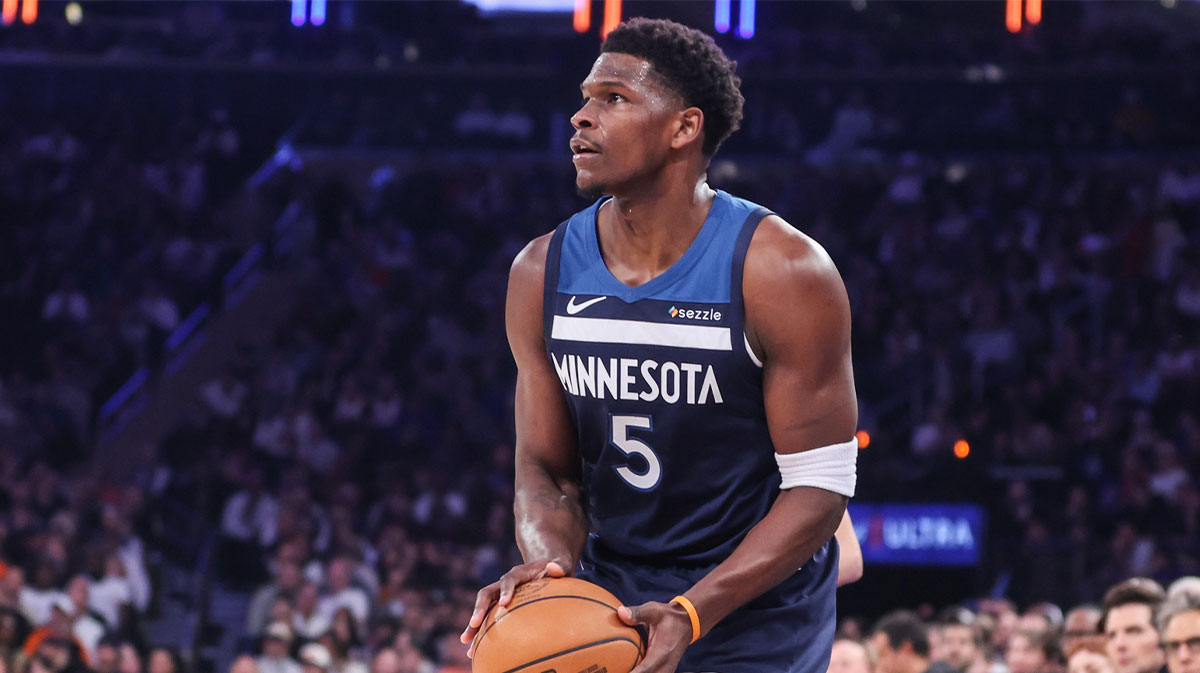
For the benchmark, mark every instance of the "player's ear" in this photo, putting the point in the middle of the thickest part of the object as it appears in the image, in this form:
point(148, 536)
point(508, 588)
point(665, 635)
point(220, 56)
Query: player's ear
point(689, 128)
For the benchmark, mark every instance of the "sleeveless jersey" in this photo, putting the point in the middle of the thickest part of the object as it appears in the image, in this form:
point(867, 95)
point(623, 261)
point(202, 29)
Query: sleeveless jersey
point(677, 463)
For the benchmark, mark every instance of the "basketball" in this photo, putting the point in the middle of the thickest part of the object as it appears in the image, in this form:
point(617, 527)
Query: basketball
point(557, 624)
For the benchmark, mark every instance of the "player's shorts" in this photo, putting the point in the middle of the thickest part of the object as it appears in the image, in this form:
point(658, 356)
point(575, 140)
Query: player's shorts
point(789, 629)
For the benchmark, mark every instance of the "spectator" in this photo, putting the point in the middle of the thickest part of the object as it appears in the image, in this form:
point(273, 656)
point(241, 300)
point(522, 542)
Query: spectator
point(1127, 621)
point(14, 629)
point(1184, 585)
point(225, 396)
point(165, 660)
point(66, 303)
point(108, 653)
point(244, 664)
point(247, 521)
point(1032, 651)
point(58, 631)
point(961, 646)
point(901, 644)
point(1089, 658)
point(129, 660)
point(341, 592)
point(1179, 624)
point(386, 661)
point(849, 656)
point(314, 658)
point(308, 619)
point(277, 640)
point(1080, 627)
point(87, 626)
point(287, 582)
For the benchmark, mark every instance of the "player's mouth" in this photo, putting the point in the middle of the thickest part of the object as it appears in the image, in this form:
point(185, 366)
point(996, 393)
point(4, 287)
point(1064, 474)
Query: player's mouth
point(581, 150)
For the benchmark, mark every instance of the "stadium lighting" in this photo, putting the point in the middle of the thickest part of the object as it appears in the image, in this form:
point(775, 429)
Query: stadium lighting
point(746, 19)
point(1033, 12)
point(612, 17)
point(9, 12)
point(721, 15)
point(74, 13)
point(583, 16)
point(962, 449)
point(299, 12)
point(1012, 16)
point(864, 439)
point(316, 14)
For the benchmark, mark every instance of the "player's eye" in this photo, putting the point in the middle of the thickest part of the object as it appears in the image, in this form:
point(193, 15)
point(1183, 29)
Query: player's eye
point(615, 98)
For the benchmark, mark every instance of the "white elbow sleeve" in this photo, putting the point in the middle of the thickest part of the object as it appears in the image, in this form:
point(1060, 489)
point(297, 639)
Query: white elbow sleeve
point(832, 468)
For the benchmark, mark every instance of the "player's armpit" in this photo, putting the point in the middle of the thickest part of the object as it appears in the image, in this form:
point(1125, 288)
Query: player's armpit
point(551, 523)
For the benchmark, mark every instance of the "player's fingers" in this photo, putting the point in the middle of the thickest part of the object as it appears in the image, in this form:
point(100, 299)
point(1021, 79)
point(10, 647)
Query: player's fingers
point(553, 569)
point(518, 576)
point(631, 615)
point(483, 602)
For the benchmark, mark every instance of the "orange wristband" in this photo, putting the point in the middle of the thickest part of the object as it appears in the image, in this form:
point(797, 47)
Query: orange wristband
point(687, 606)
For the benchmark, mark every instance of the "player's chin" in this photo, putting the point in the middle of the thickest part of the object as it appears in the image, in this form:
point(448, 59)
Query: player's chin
point(587, 185)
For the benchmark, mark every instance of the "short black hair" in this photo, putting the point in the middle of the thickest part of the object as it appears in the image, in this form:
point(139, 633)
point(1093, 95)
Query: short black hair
point(692, 65)
point(1136, 590)
point(904, 626)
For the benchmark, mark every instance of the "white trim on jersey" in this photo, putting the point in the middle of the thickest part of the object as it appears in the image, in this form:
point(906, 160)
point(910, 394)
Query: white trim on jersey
point(753, 357)
point(610, 331)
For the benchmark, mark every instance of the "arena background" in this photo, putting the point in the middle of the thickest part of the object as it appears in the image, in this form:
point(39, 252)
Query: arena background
point(253, 266)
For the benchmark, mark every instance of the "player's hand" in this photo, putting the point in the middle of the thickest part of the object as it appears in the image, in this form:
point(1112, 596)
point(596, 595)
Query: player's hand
point(670, 634)
point(501, 591)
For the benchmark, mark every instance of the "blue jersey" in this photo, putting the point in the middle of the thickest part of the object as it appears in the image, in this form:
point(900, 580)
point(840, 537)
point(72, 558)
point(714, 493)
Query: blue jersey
point(677, 462)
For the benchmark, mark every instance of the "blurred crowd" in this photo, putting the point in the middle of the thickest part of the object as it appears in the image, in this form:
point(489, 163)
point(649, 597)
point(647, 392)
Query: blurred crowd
point(75, 583)
point(108, 241)
point(352, 478)
point(1138, 627)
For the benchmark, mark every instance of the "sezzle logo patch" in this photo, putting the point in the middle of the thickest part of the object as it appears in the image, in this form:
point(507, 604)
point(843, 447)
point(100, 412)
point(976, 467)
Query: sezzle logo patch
point(708, 314)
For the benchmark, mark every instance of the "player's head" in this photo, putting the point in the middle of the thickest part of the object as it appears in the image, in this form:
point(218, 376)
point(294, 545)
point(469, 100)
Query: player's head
point(660, 93)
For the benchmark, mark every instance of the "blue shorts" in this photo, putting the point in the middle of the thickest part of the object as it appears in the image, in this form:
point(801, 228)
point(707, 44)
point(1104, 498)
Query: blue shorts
point(789, 629)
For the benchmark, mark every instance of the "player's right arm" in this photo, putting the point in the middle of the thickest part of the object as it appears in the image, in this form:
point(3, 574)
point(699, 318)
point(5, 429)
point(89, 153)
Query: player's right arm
point(551, 525)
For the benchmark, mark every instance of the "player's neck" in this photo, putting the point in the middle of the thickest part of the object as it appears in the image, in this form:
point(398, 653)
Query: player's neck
point(643, 234)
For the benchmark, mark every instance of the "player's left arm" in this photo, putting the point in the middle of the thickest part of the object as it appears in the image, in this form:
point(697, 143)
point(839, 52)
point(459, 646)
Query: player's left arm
point(798, 322)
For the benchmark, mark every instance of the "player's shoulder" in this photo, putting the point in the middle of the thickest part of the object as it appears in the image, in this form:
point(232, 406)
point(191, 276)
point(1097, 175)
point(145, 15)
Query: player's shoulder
point(781, 253)
point(530, 264)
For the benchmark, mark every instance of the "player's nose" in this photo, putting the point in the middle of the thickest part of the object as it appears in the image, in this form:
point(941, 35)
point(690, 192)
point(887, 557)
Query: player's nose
point(583, 117)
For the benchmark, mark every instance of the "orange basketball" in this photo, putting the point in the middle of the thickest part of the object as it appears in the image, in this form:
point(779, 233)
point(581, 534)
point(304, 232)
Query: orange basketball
point(561, 624)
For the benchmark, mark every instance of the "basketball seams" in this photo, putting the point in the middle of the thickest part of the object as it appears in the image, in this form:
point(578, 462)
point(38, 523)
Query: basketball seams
point(637, 648)
point(545, 598)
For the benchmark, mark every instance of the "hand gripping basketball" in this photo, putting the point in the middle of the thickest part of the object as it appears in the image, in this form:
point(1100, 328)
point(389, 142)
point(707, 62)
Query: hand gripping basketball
point(501, 591)
point(670, 634)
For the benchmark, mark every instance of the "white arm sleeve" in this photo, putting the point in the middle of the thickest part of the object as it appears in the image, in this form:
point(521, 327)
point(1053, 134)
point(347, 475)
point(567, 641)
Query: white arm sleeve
point(832, 468)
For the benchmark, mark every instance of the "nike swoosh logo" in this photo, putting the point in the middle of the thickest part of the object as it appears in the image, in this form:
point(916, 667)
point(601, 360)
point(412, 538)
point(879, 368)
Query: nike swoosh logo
point(573, 308)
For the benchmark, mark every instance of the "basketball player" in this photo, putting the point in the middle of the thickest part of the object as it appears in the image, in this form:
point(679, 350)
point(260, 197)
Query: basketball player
point(685, 405)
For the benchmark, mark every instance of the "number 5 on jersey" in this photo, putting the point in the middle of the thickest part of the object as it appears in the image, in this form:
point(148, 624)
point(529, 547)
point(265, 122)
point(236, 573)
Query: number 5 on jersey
point(648, 479)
